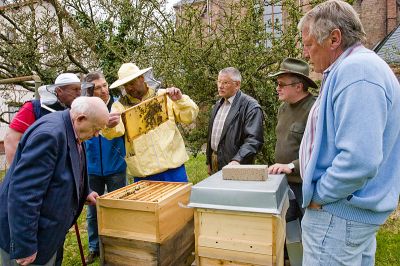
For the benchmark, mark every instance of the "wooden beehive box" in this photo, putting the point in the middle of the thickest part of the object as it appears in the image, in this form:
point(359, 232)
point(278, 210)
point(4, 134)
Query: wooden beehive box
point(176, 250)
point(239, 238)
point(145, 116)
point(240, 222)
point(146, 210)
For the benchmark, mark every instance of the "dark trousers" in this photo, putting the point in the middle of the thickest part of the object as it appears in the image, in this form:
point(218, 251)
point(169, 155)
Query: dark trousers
point(98, 184)
point(295, 210)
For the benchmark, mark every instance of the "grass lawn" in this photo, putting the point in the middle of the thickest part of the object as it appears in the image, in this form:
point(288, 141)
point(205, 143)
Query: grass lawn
point(388, 238)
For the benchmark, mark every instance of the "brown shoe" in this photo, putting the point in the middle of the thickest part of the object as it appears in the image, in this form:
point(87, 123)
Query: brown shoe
point(91, 257)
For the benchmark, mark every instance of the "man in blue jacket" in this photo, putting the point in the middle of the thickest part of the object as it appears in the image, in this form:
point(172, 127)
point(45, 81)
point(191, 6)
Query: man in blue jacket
point(105, 162)
point(350, 152)
point(46, 186)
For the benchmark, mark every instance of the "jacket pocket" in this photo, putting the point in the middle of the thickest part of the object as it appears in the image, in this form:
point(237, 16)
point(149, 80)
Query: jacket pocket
point(297, 130)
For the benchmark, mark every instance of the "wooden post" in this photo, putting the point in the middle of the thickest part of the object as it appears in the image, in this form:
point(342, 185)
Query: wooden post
point(35, 78)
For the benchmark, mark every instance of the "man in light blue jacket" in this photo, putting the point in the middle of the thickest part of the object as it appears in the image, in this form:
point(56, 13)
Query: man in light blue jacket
point(350, 152)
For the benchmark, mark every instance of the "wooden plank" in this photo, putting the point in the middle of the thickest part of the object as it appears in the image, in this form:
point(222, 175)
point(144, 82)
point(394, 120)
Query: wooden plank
point(134, 224)
point(171, 190)
point(144, 191)
point(235, 256)
point(182, 190)
point(185, 189)
point(237, 225)
point(197, 218)
point(279, 231)
point(279, 260)
point(129, 235)
point(157, 192)
point(119, 191)
point(179, 248)
point(172, 217)
point(219, 262)
point(176, 250)
point(121, 251)
point(236, 244)
point(126, 205)
point(151, 189)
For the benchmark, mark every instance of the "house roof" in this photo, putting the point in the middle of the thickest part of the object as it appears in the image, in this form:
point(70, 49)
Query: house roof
point(185, 2)
point(389, 48)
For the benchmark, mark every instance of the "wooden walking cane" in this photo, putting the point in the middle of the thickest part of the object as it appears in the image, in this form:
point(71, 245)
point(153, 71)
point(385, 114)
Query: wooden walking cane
point(78, 237)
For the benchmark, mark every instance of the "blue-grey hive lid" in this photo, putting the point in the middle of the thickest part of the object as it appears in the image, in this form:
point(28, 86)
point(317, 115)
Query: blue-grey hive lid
point(249, 196)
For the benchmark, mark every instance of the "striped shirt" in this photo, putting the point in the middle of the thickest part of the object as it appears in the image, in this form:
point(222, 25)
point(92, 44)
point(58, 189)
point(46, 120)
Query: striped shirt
point(307, 143)
point(219, 122)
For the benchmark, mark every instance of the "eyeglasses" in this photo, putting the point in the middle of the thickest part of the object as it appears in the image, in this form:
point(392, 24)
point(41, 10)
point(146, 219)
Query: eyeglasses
point(282, 85)
point(224, 83)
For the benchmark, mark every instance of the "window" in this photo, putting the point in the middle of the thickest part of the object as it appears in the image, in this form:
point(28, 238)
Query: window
point(273, 18)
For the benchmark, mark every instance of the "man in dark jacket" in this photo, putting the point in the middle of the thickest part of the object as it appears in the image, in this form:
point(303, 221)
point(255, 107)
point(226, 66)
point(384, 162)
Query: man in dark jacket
point(105, 161)
point(235, 131)
point(46, 186)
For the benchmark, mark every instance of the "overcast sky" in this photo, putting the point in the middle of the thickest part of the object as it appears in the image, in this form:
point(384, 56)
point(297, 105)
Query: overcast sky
point(170, 3)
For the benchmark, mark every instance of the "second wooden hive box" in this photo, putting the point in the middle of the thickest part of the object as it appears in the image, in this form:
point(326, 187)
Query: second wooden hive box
point(146, 210)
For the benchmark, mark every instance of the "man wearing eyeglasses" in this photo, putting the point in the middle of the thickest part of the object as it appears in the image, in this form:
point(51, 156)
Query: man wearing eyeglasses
point(235, 131)
point(292, 89)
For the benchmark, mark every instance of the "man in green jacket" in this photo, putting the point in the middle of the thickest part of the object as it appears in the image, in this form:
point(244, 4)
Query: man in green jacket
point(292, 89)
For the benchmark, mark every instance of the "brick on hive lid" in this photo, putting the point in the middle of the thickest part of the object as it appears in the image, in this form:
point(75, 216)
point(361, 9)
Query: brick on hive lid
point(245, 172)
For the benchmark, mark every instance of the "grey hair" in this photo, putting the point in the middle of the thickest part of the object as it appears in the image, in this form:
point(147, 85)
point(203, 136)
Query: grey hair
point(81, 105)
point(90, 77)
point(94, 76)
point(330, 15)
point(232, 72)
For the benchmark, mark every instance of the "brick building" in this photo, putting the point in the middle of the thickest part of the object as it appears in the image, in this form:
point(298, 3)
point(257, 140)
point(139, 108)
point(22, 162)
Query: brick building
point(379, 17)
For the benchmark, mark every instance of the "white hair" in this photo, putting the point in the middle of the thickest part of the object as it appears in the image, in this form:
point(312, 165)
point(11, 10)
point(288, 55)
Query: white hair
point(330, 15)
point(81, 105)
point(232, 72)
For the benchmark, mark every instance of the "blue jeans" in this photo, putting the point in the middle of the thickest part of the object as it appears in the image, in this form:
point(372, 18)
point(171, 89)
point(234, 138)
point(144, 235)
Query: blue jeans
point(330, 240)
point(171, 175)
point(98, 184)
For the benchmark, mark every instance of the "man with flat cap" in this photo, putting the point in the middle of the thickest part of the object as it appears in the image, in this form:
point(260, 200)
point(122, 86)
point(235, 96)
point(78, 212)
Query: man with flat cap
point(292, 89)
point(160, 153)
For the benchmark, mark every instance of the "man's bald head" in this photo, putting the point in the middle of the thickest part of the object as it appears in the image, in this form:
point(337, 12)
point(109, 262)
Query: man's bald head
point(89, 116)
